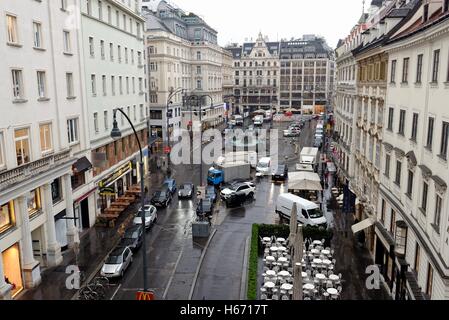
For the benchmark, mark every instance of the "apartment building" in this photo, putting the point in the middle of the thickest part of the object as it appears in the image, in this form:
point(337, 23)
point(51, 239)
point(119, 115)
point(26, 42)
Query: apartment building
point(413, 204)
point(184, 59)
point(114, 78)
point(42, 140)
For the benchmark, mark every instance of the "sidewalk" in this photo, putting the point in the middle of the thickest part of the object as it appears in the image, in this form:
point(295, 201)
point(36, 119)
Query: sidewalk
point(94, 246)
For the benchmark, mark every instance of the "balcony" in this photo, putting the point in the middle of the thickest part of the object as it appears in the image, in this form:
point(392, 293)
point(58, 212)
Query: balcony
point(24, 172)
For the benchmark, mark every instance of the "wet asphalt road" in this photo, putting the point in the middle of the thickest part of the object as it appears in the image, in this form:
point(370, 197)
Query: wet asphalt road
point(172, 254)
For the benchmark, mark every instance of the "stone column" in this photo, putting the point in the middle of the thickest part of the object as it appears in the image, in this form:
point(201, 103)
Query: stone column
point(30, 266)
point(54, 256)
point(72, 231)
point(5, 289)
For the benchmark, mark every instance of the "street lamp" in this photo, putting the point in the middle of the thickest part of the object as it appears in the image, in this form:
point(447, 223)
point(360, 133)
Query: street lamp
point(117, 134)
point(168, 116)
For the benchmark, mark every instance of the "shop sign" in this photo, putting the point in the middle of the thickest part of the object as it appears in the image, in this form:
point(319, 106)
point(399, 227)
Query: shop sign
point(144, 296)
point(117, 174)
point(107, 191)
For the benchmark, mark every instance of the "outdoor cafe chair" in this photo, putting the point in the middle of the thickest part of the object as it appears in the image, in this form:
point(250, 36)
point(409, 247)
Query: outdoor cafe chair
point(275, 297)
point(284, 297)
point(263, 297)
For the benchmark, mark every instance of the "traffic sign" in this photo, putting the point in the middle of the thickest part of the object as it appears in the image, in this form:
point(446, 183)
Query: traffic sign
point(144, 296)
point(167, 150)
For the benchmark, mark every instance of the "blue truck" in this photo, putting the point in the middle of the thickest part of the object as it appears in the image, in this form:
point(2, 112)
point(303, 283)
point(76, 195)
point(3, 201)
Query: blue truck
point(227, 172)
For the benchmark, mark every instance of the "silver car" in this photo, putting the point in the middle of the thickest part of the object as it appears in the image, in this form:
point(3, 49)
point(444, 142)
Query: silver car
point(150, 216)
point(117, 262)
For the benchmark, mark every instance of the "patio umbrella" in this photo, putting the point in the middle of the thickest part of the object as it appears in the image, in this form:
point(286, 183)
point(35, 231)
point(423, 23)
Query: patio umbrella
point(297, 271)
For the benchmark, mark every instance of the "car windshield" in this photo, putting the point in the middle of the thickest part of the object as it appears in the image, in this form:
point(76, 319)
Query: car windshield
point(315, 213)
point(159, 194)
point(131, 235)
point(114, 260)
point(186, 187)
point(263, 164)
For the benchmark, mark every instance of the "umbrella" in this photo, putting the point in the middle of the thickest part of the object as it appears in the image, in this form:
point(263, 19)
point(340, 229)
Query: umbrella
point(303, 180)
point(269, 284)
point(284, 273)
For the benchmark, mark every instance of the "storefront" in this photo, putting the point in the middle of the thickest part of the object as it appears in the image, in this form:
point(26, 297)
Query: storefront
point(115, 185)
point(12, 269)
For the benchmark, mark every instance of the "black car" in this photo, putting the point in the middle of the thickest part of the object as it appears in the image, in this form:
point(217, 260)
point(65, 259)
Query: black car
point(280, 172)
point(186, 191)
point(206, 207)
point(211, 194)
point(161, 198)
point(236, 200)
point(132, 238)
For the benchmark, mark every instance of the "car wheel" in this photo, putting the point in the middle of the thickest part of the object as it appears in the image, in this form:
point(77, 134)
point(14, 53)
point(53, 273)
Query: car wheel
point(122, 273)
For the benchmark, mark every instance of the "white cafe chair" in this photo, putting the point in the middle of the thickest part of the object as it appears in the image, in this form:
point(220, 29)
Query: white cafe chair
point(284, 297)
point(263, 297)
point(275, 297)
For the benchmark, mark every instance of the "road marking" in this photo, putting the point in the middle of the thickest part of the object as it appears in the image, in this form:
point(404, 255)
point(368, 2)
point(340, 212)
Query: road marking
point(115, 292)
point(173, 274)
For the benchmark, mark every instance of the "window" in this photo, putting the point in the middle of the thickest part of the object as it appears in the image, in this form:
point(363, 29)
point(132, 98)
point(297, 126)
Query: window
point(34, 201)
point(117, 18)
point(132, 56)
point(419, 68)
point(198, 55)
point(17, 83)
point(113, 85)
point(2, 148)
point(63, 5)
point(401, 122)
point(446, 5)
point(134, 113)
point(119, 50)
point(111, 51)
point(69, 83)
point(78, 179)
point(387, 165)
point(7, 218)
point(139, 59)
point(436, 65)
point(96, 122)
point(37, 32)
point(405, 70)
point(393, 222)
point(134, 85)
point(397, 180)
point(141, 112)
point(438, 208)
point(124, 22)
point(414, 126)
point(67, 42)
point(106, 120)
point(91, 47)
point(89, 7)
point(382, 212)
point(390, 119)
point(127, 85)
point(140, 85)
point(417, 257)
point(103, 78)
point(429, 283)
point(102, 49)
point(93, 84)
point(46, 138)
point(126, 55)
point(410, 184)
point(430, 133)
point(56, 190)
point(109, 15)
point(425, 16)
point(41, 84)
point(22, 142)
point(120, 83)
point(11, 22)
point(425, 190)
point(198, 69)
point(72, 130)
point(444, 140)
point(393, 71)
point(100, 10)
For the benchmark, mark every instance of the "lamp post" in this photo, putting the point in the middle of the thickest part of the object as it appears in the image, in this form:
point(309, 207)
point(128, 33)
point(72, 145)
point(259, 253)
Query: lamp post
point(169, 102)
point(117, 134)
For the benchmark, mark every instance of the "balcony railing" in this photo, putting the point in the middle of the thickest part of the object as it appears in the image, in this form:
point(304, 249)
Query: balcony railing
point(31, 169)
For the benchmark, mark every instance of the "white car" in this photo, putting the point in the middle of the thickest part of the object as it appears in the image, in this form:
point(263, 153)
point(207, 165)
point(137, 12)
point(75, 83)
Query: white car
point(117, 262)
point(246, 188)
point(263, 167)
point(150, 216)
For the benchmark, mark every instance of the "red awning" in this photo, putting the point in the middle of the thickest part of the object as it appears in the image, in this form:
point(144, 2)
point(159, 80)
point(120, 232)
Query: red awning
point(84, 196)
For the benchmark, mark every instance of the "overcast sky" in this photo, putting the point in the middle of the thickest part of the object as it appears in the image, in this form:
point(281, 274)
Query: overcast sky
point(236, 20)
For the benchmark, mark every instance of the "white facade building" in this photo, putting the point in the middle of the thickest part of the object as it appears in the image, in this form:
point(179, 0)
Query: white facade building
point(114, 78)
point(41, 137)
point(414, 203)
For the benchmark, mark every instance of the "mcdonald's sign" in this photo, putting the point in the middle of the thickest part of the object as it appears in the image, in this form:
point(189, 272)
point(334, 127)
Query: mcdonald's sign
point(142, 295)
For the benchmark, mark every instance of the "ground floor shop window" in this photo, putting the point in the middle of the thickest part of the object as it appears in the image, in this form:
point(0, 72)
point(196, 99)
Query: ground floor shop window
point(7, 216)
point(12, 269)
point(34, 201)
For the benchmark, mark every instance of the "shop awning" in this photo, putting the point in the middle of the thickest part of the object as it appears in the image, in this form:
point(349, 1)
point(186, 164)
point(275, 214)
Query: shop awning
point(81, 165)
point(303, 180)
point(362, 225)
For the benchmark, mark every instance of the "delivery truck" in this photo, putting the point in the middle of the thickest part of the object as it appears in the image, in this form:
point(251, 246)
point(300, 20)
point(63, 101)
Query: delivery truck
point(309, 156)
point(238, 156)
point(228, 171)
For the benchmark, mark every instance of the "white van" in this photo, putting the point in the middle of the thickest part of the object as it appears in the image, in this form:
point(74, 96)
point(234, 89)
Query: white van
point(263, 167)
point(258, 120)
point(308, 212)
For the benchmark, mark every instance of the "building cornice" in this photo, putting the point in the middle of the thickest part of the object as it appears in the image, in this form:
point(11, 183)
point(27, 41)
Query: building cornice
point(126, 9)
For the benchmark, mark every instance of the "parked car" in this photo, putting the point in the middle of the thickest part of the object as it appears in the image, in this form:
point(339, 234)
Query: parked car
point(161, 198)
point(206, 207)
point(236, 200)
point(150, 216)
point(292, 132)
point(186, 191)
point(245, 188)
point(280, 172)
point(170, 184)
point(117, 262)
point(211, 194)
point(132, 238)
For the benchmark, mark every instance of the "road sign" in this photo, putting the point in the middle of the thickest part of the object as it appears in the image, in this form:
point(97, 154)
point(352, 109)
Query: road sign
point(167, 150)
point(146, 296)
